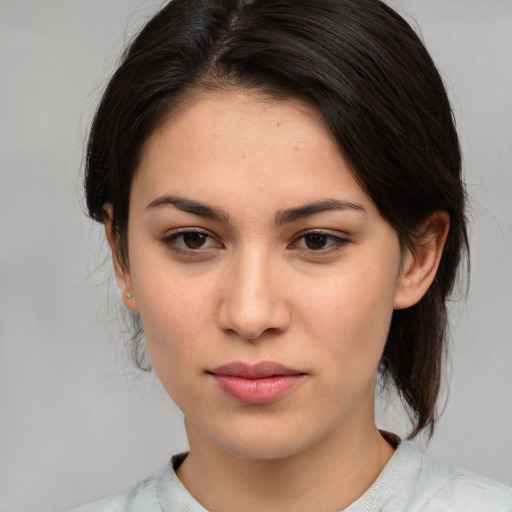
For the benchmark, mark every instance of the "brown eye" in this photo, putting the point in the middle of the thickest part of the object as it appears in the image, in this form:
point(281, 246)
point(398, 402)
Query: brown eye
point(315, 241)
point(191, 242)
point(319, 242)
point(194, 240)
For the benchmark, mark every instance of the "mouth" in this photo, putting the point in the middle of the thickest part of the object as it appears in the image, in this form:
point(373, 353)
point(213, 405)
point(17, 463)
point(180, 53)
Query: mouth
point(256, 384)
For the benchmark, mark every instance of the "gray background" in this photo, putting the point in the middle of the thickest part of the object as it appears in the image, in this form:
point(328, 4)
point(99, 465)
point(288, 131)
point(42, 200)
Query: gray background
point(76, 421)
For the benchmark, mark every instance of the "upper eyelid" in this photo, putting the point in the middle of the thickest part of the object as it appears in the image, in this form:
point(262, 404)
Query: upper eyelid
point(180, 231)
point(169, 235)
point(320, 231)
point(338, 241)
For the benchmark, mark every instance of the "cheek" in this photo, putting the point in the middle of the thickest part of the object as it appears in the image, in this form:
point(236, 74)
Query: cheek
point(348, 318)
point(175, 313)
point(174, 329)
point(356, 302)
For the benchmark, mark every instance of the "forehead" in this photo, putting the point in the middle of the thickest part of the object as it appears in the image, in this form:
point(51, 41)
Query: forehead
point(253, 116)
point(241, 142)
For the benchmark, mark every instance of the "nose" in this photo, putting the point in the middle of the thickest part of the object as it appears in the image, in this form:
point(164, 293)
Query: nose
point(253, 300)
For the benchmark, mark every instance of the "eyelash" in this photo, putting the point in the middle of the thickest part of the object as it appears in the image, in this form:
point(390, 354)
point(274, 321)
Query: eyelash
point(337, 242)
point(170, 241)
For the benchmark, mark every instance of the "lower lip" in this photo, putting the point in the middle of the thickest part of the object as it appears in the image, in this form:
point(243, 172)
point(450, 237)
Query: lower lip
point(257, 391)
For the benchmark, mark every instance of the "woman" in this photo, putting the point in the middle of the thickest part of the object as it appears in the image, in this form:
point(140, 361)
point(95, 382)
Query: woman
point(280, 187)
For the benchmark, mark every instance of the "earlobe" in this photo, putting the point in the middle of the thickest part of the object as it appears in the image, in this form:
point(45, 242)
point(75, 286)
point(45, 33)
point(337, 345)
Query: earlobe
point(420, 263)
point(122, 272)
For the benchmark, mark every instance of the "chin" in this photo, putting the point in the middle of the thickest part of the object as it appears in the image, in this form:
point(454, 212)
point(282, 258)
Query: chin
point(268, 442)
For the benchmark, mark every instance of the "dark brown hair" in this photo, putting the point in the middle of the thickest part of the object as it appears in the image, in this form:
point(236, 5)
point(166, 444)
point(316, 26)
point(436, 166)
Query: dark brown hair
point(367, 73)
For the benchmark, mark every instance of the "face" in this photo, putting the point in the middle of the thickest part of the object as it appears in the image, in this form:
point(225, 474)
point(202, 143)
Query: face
point(265, 277)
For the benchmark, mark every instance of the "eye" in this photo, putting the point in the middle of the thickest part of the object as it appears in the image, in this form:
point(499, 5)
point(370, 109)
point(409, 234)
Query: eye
point(318, 241)
point(193, 239)
point(190, 241)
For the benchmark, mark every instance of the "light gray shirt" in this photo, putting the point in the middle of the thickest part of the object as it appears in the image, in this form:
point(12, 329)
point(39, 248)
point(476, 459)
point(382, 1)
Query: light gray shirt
point(410, 482)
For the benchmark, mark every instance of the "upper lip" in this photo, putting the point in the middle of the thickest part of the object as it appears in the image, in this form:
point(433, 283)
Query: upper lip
point(254, 371)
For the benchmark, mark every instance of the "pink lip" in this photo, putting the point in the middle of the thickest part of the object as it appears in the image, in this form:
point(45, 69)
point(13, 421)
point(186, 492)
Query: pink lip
point(257, 384)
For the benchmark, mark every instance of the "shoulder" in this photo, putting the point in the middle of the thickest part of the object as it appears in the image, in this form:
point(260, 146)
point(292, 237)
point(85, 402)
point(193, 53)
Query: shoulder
point(413, 482)
point(454, 489)
point(139, 497)
point(158, 493)
point(445, 488)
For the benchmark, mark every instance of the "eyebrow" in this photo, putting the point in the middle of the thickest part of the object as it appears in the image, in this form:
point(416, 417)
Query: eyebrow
point(282, 216)
point(190, 206)
point(307, 210)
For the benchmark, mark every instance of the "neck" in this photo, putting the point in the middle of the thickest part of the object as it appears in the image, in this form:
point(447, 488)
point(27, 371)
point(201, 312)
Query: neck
point(328, 476)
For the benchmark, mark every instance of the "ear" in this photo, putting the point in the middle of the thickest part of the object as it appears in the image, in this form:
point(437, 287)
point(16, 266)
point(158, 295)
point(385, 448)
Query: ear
point(122, 272)
point(420, 263)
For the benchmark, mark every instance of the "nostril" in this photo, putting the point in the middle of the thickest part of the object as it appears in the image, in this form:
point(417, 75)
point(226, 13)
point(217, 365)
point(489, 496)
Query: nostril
point(256, 322)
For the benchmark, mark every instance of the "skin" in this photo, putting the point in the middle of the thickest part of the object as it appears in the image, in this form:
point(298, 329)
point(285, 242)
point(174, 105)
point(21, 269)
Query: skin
point(258, 285)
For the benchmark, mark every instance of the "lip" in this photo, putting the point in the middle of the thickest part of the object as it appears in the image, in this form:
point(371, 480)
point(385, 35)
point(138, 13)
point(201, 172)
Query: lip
point(256, 384)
